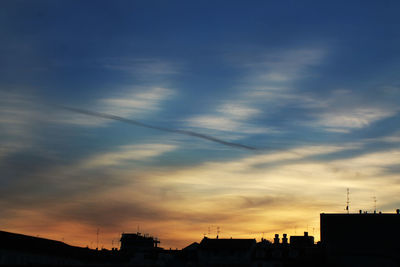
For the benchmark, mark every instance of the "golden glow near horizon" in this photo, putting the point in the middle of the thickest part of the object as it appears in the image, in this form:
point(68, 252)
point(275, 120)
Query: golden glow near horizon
point(254, 196)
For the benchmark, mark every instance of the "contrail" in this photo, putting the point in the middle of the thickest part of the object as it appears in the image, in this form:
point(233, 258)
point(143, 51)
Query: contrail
point(145, 125)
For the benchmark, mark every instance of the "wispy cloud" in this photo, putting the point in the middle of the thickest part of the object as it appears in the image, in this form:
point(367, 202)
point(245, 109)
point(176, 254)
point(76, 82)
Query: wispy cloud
point(394, 138)
point(151, 80)
point(266, 85)
point(352, 118)
point(235, 126)
point(345, 110)
point(137, 102)
point(237, 110)
point(271, 84)
point(17, 120)
point(281, 66)
point(289, 184)
point(127, 154)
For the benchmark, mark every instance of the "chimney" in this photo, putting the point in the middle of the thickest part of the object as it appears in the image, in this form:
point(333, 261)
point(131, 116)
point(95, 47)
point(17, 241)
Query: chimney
point(398, 211)
point(276, 239)
point(360, 211)
point(305, 233)
point(284, 239)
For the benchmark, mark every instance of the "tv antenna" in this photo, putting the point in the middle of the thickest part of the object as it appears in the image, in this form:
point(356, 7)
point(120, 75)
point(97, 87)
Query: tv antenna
point(348, 201)
point(218, 231)
point(97, 237)
point(374, 198)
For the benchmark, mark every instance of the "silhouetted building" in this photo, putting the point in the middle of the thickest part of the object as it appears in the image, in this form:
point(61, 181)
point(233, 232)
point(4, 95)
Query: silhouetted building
point(141, 249)
point(361, 239)
point(302, 241)
point(138, 242)
point(226, 252)
point(189, 254)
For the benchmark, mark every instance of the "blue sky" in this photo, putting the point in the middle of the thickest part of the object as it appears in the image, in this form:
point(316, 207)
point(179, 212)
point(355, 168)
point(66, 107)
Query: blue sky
point(314, 86)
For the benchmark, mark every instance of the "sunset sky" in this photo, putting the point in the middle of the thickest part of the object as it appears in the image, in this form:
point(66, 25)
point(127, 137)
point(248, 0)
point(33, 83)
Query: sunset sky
point(312, 86)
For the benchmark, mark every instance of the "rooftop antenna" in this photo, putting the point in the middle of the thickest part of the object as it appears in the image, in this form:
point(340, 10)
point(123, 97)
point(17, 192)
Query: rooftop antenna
point(218, 232)
point(348, 201)
point(97, 237)
point(374, 197)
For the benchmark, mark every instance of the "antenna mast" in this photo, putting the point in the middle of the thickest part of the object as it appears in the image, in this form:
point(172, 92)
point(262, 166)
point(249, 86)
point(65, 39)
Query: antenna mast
point(374, 197)
point(348, 200)
point(97, 235)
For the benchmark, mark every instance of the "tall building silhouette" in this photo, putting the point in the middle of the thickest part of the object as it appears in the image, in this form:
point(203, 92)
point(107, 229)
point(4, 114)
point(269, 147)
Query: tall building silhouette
point(361, 239)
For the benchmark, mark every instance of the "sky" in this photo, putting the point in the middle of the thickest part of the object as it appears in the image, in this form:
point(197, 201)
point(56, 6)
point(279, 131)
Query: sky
point(182, 118)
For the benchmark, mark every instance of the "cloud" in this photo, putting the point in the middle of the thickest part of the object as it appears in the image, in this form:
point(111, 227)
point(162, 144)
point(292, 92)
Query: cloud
point(278, 67)
point(18, 115)
point(232, 117)
point(137, 102)
point(214, 122)
point(126, 154)
point(371, 164)
point(294, 184)
point(395, 138)
point(237, 110)
point(345, 110)
point(358, 117)
point(265, 86)
point(149, 76)
point(271, 82)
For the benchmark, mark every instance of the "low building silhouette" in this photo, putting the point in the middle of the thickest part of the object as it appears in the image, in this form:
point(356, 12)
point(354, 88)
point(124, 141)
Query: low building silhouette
point(226, 252)
point(138, 242)
point(189, 254)
point(141, 250)
point(302, 241)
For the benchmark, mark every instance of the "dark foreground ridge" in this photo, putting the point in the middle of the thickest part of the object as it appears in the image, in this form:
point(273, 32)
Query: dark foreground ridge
point(361, 239)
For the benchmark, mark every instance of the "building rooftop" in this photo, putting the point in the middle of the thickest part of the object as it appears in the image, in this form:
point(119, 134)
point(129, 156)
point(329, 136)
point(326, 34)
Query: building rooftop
point(222, 243)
